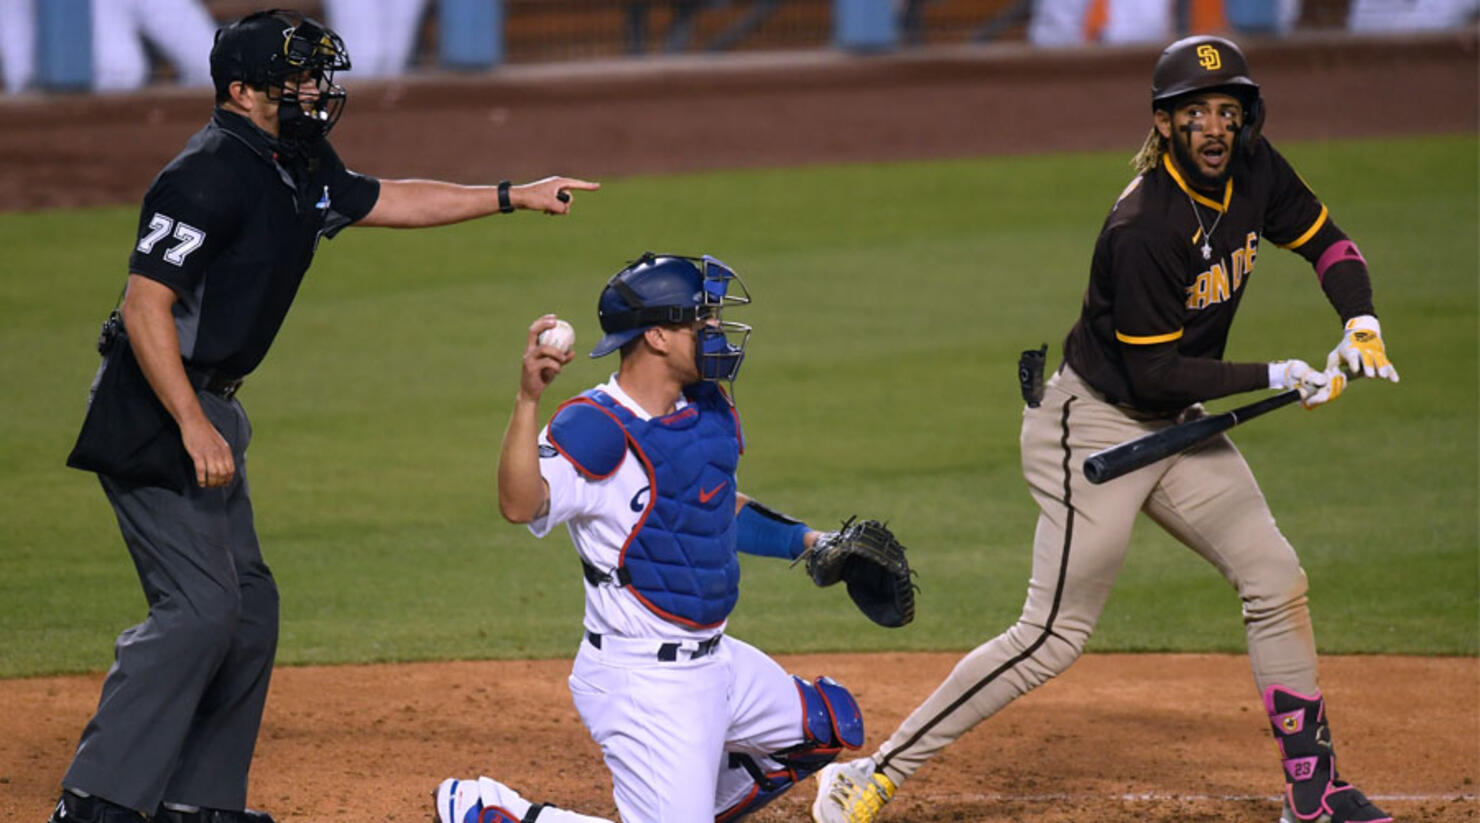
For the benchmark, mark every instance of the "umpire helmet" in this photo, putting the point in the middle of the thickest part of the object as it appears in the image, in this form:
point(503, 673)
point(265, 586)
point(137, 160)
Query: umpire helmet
point(1206, 63)
point(670, 289)
point(268, 49)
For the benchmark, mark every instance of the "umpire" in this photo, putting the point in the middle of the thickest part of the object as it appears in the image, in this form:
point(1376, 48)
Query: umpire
point(225, 235)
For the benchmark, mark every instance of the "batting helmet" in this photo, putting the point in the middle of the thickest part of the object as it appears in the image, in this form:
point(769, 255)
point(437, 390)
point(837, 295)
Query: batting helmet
point(669, 289)
point(1206, 63)
point(275, 51)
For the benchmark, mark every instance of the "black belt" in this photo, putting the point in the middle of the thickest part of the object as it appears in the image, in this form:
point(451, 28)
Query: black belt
point(1144, 416)
point(1125, 408)
point(668, 652)
point(213, 381)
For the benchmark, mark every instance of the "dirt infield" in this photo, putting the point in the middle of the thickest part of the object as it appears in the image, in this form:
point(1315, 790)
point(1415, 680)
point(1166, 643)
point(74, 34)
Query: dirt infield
point(1118, 738)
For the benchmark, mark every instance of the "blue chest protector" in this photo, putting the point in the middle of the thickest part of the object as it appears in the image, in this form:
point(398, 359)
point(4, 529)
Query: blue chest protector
point(679, 560)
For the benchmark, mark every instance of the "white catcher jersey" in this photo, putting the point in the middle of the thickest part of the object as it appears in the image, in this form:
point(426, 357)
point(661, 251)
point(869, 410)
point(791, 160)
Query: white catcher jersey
point(600, 514)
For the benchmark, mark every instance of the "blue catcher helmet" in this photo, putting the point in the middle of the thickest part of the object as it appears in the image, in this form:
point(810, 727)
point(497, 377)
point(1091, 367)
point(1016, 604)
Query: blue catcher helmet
point(670, 289)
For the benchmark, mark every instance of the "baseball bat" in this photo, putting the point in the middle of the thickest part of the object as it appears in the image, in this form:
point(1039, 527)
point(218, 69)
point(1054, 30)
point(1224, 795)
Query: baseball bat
point(1108, 464)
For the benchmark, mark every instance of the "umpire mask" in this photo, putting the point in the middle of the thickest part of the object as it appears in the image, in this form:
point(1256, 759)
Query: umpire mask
point(293, 59)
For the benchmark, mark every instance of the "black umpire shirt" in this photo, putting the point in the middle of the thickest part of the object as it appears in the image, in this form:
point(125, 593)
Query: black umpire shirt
point(231, 225)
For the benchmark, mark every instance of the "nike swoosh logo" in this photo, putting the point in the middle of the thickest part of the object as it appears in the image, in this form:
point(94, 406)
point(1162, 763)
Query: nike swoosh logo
point(706, 496)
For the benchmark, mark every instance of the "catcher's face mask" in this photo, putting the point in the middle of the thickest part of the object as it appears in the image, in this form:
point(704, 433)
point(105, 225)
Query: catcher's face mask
point(721, 343)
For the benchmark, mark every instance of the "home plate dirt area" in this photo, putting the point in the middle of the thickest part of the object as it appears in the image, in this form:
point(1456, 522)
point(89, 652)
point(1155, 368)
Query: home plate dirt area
point(1116, 739)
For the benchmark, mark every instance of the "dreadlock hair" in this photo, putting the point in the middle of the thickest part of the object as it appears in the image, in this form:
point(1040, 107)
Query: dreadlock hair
point(1149, 156)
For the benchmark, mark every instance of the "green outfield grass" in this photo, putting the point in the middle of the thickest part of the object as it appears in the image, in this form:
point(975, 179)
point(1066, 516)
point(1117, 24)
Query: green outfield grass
point(890, 304)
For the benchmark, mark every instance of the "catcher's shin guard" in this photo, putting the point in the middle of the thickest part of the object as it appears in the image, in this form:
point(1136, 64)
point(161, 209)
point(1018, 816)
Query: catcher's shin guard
point(768, 785)
point(1313, 791)
point(831, 719)
point(831, 722)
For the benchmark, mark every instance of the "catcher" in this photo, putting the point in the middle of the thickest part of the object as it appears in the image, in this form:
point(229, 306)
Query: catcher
point(693, 723)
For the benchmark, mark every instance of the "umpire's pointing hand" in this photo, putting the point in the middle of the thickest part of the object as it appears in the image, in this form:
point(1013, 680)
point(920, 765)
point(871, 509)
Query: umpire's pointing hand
point(551, 195)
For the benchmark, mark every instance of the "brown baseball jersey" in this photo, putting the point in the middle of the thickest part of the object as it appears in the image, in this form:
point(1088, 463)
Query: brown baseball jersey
point(1169, 269)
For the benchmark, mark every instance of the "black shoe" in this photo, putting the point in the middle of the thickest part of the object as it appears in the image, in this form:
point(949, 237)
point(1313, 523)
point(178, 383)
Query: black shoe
point(211, 816)
point(74, 808)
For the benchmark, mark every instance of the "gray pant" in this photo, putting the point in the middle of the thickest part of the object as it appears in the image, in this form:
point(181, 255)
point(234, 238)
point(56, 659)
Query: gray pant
point(180, 708)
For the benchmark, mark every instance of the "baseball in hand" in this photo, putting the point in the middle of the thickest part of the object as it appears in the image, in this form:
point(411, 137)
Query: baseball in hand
point(561, 336)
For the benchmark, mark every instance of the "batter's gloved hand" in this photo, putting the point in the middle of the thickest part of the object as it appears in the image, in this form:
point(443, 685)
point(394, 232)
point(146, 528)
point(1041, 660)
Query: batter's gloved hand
point(1361, 350)
point(1316, 387)
point(868, 557)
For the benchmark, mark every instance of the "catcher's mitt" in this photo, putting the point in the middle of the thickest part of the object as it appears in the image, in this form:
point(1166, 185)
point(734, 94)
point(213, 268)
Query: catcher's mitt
point(866, 555)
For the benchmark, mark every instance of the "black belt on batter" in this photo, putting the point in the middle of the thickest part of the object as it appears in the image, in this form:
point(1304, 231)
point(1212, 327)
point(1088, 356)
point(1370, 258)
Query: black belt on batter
point(668, 652)
point(213, 381)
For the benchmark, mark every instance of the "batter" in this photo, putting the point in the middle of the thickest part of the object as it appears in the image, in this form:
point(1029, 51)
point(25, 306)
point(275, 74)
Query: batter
point(1169, 269)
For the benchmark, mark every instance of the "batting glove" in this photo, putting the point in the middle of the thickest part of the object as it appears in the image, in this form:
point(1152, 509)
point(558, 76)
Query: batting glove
point(1361, 350)
point(1316, 387)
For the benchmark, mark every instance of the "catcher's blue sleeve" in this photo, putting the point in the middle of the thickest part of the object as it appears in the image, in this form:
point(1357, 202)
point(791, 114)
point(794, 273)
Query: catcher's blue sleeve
point(763, 531)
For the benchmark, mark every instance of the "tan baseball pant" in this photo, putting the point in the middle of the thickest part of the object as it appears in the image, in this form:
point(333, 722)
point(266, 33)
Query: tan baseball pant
point(1206, 497)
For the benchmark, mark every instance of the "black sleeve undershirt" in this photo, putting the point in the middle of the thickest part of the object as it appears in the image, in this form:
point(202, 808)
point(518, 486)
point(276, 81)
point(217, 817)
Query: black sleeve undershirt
point(1163, 379)
point(1346, 283)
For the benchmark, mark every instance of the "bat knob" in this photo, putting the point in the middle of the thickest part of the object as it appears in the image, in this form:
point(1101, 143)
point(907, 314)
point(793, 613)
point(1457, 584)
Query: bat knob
point(1094, 469)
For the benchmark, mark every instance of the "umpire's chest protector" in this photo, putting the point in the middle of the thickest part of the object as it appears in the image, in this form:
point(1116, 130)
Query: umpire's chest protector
point(679, 560)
